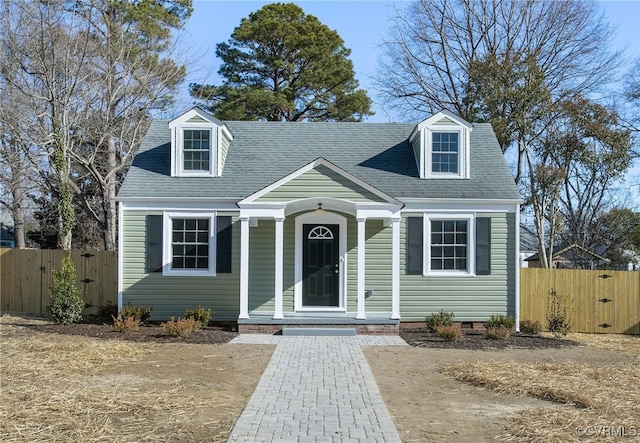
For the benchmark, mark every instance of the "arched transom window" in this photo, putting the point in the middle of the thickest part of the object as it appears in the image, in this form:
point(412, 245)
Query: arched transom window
point(320, 233)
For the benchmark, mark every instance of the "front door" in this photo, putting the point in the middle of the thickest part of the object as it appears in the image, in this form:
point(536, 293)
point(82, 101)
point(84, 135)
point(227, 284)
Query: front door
point(320, 266)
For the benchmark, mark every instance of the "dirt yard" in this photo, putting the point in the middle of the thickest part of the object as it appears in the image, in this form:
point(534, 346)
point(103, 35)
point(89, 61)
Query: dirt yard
point(429, 406)
point(85, 383)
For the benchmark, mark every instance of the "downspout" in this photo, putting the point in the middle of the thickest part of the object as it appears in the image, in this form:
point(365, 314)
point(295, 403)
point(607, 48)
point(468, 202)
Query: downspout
point(120, 252)
point(517, 262)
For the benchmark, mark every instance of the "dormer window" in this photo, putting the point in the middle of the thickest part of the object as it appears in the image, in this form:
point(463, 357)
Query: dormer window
point(441, 146)
point(445, 152)
point(196, 150)
point(199, 145)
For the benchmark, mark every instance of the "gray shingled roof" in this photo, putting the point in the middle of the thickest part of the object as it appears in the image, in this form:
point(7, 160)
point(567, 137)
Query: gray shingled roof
point(263, 152)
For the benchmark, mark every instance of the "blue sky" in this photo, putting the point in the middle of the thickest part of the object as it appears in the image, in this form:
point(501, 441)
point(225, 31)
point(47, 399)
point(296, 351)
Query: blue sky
point(361, 24)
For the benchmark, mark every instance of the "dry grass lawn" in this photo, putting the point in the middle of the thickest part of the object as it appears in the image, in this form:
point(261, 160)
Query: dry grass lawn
point(603, 401)
point(71, 388)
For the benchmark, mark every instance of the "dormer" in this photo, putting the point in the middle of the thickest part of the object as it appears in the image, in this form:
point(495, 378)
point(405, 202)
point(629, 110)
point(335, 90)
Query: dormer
point(199, 144)
point(441, 146)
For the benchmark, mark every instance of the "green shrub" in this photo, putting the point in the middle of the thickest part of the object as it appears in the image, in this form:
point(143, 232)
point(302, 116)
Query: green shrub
point(137, 312)
point(496, 321)
point(497, 332)
point(449, 332)
point(557, 315)
point(182, 327)
point(126, 324)
point(530, 327)
point(66, 301)
point(441, 318)
point(199, 314)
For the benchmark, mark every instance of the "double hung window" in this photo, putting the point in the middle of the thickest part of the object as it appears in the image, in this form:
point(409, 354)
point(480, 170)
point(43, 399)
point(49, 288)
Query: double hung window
point(196, 150)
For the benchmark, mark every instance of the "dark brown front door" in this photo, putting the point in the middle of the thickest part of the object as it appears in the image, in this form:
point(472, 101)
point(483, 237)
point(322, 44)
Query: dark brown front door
point(320, 266)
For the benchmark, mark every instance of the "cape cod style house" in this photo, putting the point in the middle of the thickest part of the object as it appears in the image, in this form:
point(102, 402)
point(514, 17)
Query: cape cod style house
point(272, 224)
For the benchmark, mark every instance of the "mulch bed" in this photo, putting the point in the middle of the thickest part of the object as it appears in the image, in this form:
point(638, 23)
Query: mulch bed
point(423, 338)
point(211, 335)
point(219, 334)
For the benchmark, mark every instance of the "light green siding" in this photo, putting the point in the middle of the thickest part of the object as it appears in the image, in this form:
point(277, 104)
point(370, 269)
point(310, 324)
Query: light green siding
point(378, 266)
point(224, 149)
point(470, 298)
point(172, 295)
point(320, 182)
point(197, 119)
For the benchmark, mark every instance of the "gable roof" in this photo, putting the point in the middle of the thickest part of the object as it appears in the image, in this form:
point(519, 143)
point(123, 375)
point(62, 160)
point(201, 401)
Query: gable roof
point(320, 163)
point(262, 153)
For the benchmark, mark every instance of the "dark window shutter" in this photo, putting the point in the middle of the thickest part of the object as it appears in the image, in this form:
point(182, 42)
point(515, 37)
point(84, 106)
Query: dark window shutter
point(414, 245)
point(154, 243)
point(224, 244)
point(483, 246)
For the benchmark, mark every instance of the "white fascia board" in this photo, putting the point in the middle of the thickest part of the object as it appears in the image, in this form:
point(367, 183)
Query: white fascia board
point(457, 205)
point(309, 166)
point(263, 211)
point(384, 211)
point(175, 205)
point(193, 112)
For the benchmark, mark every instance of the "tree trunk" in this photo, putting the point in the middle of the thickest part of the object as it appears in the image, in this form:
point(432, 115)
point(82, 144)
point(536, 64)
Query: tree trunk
point(18, 217)
point(109, 196)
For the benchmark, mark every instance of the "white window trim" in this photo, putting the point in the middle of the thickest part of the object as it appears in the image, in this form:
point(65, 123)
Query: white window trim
point(167, 227)
point(213, 149)
point(471, 245)
point(463, 152)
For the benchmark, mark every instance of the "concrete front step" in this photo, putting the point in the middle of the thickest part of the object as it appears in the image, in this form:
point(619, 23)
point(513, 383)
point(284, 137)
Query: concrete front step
point(324, 332)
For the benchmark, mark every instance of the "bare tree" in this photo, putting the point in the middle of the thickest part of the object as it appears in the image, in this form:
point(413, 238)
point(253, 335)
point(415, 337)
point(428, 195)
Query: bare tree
point(129, 74)
point(425, 66)
point(92, 72)
point(513, 63)
point(43, 47)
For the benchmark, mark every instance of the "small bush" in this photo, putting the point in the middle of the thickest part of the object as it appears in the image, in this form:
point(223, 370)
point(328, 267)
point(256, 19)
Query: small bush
point(199, 314)
point(558, 315)
point(107, 311)
point(137, 312)
point(496, 321)
point(441, 318)
point(530, 327)
point(126, 324)
point(449, 332)
point(182, 327)
point(497, 332)
point(66, 301)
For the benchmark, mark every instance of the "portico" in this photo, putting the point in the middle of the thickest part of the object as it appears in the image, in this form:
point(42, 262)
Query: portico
point(322, 272)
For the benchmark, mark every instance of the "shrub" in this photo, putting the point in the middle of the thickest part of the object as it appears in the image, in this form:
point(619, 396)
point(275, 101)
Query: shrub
point(441, 318)
point(497, 332)
point(557, 315)
point(199, 314)
point(449, 332)
point(107, 311)
point(530, 327)
point(496, 321)
point(137, 312)
point(66, 301)
point(182, 327)
point(126, 324)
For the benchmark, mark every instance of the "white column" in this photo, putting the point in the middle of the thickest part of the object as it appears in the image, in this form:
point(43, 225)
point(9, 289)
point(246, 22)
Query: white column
point(361, 268)
point(244, 267)
point(278, 314)
point(395, 268)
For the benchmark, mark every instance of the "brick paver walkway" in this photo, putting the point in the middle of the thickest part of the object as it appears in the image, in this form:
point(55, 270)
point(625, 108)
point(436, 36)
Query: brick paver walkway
point(316, 389)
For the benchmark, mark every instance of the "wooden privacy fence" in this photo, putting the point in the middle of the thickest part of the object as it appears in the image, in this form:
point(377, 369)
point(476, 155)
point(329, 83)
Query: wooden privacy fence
point(597, 301)
point(26, 278)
